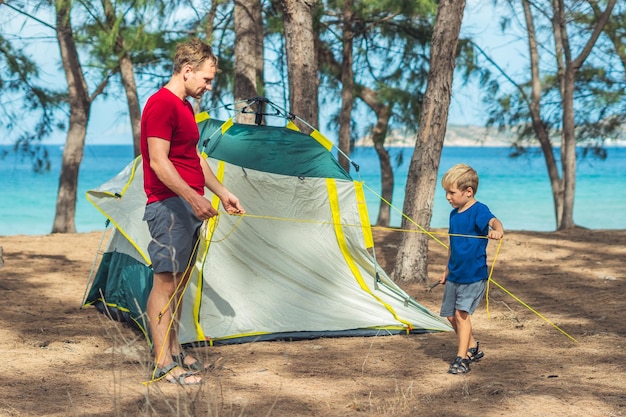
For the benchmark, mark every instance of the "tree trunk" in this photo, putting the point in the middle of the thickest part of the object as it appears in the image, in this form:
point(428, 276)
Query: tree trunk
point(535, 112)
point(347, 86)
point(248, 62)
point(80, 105)
point(127, 74)
point(301, 60)
point(412, 258)
point(568, 86)
point(568, 152)
point(379, 134)
point(387, 184)
point(260, 47)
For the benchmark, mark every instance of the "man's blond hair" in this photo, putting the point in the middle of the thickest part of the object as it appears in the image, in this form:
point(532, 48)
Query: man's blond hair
point(193, 52)
point(462, 176)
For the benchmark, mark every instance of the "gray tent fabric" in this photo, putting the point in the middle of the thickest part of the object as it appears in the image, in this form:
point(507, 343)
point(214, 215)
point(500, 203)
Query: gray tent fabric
point(299, 264)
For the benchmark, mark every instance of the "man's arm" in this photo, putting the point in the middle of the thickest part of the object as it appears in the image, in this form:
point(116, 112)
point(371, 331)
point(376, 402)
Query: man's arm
point(164, 169)
point(229, 201)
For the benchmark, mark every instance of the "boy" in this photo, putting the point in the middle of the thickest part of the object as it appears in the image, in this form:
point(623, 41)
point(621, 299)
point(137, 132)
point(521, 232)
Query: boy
point(466, 275)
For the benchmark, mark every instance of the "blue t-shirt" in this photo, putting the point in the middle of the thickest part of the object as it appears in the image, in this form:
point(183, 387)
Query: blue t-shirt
point(468, 255)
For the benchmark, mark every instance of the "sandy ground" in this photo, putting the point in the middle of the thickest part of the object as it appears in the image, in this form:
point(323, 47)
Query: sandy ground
point(61, 360)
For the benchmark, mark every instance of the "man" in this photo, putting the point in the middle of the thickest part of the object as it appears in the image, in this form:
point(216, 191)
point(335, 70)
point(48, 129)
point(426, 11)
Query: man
point(175, 175)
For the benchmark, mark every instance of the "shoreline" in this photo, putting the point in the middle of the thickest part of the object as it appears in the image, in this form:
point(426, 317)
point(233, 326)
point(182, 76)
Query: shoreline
point(396, 144)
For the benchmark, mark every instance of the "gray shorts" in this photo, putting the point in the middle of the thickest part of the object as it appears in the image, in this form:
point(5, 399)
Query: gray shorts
point(462, 297)
point(174, 229)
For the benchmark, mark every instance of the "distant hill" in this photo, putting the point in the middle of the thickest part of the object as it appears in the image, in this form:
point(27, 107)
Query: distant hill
point(455, 136)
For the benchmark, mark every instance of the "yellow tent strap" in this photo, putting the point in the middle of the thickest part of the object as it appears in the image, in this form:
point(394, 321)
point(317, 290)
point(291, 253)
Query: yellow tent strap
point(363, 215)
point(206, 232)
point(227, 125)
point(291, 125)
point(322, 139)
point(207, 237)
point(145, 257)
point(241, 335)
point(201, 117)
point(341, 240)
point(406, 217)
point(141, 326)
point(196, 307)
point(337, 224)
point(132, 174)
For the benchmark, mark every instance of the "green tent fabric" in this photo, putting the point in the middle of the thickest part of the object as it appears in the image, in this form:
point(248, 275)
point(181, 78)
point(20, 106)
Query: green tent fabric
point(123, 280)
point(271, 149)
point(298, 265)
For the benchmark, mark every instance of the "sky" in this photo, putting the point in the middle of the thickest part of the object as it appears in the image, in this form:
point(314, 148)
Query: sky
point(109, 122)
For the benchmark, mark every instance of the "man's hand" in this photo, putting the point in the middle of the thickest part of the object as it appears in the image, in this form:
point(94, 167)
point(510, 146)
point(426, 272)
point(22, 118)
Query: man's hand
point(202, 208)
point(231, 204)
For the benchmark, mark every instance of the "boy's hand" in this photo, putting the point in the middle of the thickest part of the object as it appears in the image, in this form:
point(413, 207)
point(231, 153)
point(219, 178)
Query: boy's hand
point(444, 278)
point(496, 231)
point(495, 234)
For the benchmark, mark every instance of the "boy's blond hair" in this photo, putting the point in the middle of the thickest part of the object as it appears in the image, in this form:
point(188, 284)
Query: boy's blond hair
point(194, 53)
point(462, 176)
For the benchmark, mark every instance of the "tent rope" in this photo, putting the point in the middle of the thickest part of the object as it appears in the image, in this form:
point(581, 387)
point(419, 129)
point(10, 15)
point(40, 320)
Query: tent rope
point(420, 229)
point(490, 279)
point(177, 300)
point(429, 233)
point(516, 298)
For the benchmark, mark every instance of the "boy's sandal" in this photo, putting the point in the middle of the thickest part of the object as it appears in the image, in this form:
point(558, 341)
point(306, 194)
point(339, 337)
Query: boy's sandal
point(475, 354)
point(197, 365)
point(459, 366)
point(161, 373)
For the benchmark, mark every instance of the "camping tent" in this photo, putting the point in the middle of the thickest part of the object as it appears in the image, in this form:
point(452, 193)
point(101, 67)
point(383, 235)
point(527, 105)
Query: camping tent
point(299, 264)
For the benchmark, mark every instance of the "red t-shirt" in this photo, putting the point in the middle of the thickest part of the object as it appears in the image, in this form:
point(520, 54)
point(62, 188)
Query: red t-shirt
point(168, 117)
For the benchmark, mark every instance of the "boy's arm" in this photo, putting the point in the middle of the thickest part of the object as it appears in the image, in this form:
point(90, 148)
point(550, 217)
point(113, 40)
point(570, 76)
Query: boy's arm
point(496, 230)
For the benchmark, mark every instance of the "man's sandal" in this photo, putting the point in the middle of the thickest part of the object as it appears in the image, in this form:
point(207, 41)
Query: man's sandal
point(459, 366)
point(475, 354)
point(161, 374)
point(197, 365)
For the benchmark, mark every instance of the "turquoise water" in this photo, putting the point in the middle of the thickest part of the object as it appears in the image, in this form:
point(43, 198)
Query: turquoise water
point(516, 190)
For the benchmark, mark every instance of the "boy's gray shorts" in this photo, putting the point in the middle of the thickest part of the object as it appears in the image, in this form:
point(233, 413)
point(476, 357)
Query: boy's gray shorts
point(462, 297)
point(174, 229)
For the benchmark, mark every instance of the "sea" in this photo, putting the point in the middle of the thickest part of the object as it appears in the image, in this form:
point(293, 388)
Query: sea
point(516, 189)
